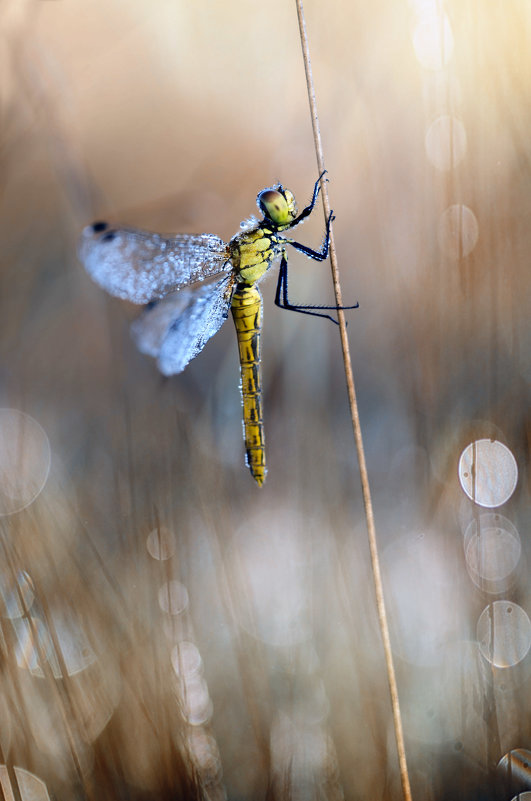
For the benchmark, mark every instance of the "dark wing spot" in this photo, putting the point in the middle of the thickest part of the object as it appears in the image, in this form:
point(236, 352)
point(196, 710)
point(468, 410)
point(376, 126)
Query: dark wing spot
point(99, 226)
point(108, 236)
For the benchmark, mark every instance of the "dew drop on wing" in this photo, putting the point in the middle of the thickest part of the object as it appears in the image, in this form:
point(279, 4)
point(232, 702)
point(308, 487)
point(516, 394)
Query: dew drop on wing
point(177, 328)
point(140, 266)
point(189, 333)
point(149, 330)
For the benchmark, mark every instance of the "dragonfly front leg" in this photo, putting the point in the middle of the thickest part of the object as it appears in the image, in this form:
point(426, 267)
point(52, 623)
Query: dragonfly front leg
point(310, 207)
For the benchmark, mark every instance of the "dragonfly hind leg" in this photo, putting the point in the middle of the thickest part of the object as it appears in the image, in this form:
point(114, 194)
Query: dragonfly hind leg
point(282, 301)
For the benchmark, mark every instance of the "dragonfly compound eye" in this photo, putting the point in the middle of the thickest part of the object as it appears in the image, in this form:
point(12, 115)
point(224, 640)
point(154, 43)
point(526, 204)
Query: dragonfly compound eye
point(273, 204)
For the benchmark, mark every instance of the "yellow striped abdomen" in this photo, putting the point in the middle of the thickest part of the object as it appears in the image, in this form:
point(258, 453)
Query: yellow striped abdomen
point(246, 310)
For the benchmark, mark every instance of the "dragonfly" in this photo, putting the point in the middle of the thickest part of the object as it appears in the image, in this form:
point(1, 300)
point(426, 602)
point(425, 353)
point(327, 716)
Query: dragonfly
point(189, 282)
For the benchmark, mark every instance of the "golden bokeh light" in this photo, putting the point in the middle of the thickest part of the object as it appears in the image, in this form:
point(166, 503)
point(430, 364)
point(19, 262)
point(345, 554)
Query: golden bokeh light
point(168, 629)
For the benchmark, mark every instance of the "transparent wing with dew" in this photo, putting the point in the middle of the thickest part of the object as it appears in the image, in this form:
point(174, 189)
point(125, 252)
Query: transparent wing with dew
point(140, 266)
point(178, 327)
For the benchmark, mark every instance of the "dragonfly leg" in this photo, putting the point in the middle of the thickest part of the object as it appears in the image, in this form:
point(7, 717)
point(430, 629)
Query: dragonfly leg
point(230, 288)
point(282, 301)
point(318, 255)
point(310, 207)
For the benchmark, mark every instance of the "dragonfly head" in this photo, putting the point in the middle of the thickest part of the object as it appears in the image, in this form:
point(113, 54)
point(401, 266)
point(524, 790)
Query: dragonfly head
point(277, 205)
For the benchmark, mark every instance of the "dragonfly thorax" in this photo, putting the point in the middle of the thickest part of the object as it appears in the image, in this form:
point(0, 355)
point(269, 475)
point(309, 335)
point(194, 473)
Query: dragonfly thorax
point(252, 253)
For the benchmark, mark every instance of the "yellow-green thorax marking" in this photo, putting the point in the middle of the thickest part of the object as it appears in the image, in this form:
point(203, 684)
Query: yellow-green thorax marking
point(251, 253)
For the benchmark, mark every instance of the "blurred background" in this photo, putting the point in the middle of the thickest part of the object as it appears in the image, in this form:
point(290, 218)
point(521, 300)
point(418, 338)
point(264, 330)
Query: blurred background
point(168, 629)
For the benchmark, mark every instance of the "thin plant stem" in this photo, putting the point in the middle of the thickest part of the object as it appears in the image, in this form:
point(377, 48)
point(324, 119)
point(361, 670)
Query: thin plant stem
point(371, 531)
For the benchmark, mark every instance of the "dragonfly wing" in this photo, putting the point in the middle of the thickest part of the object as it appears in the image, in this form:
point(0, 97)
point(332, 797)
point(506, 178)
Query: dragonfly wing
point(151, 327)
point(140, 266)
point(177, 328)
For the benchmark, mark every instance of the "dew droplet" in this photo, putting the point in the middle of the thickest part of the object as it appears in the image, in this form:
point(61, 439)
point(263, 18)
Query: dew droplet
point(488, 472)
point(173, 597)
point(24, 460)
point(160, 543)
point(504, 633)
point(492, 553)
point(458, 231)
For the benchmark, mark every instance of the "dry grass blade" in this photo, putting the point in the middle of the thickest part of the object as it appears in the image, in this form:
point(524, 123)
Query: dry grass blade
point(371, 531)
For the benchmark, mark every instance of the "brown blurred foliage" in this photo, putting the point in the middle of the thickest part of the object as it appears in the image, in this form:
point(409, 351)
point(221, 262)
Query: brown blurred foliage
point(172, 116)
